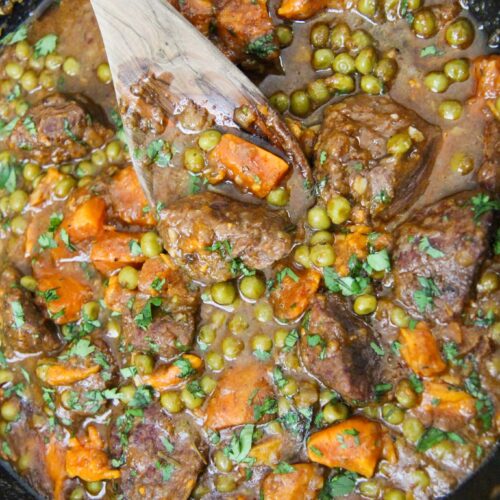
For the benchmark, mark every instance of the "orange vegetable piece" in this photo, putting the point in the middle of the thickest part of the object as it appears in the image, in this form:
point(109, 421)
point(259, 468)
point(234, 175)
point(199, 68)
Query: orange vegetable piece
point(87, 221)
point(128, 198)
point(86, 459)
point(59, 374)
point(302, 484)
point(72, 294)
point(161, 268)
point(167, 376)
point(420, 350)
point(355, 444)
point(346, 245)
point(240, 389)
point(111, 251)
point(115, 296)
point(300, 9)
point(487, 74)
point(268, 452)
point(56, 470)
point(248, 165)
point(292, 297)
point(45, 187)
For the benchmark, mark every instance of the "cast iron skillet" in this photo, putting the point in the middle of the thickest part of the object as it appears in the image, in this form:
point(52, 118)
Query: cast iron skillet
point(484, 484)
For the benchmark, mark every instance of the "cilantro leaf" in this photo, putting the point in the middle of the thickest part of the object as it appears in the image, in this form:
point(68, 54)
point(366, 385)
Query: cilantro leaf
point(424, 298)
point(144, 319)
point(262, 47)
point(17, 313)
point(284, 468)
point(379, 261)
point(45, 45)
point(425, 246)
point(20, 34)
point(241, 444)
point(185, 367)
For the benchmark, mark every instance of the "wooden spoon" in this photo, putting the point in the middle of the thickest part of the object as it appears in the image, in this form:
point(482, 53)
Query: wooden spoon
point(159, 60)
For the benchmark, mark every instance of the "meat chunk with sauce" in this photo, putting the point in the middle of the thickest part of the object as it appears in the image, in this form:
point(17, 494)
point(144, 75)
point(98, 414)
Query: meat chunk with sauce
point(23, 327)
point(352, 154)
point(59, 129)
point(335, 348)
point(488, 174)
point(163, 457)
point(209, 235)
point(200, 13)
point(438, 253)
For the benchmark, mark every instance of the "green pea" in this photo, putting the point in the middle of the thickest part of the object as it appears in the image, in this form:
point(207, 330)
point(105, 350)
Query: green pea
point(14, 70)
point(302, 256)
point(23, 50)
point(321, 237)
point(284, 34)
point(91, 310)
point(18, 200)
point(209, 139)
point(436, 81)
point(21, 107)
point(360, 39)
point(300, 103)
point(231, 347)
point(489, 282)
point(194, 160)
point(317, 218)
point(6, 376)
point(386, 69)
point(171, 401)
point(190, 400)
point(462, 163)
point(322, 255)
point(127, 393)
point(252, 287)
point(10, 410)
point(450, 110)
point(425, 23)
point(365, 60)
point(144, 363)
point(31, 171)
point(278, 197)
point(114, 328)
point(29, 80)
point(151, 244)
point(261, 342)
point(86, 168)
point(104, 73)
point(319, 35)
point(367, 7)
point(394, 494)
point(290, 387)
point(420, 479)
point(370, 488)
point(399, 317)
point(460, 33)
point(280, 101)
point(413, 429)
point(333, 412)
point(237, 324)
point(207, 334)
point(18, 225)
point(208, 384)
point(457, 70)
point(263, 312)
point(343, 63)
point(128, 277)
point(399, 144)
point(54, 61)
point(222, 461)
point(280, 336)
point(94, 487)
point(71, 66)
point(218, 318)
point(414, 5)
point(338, 209)
point(365, 304)
point(341, 83)
point(322, 59)
point(340, 36)
point(223, 293)
point(371, 85)
point(77, 493)
point(114, 151)
point(47, 79)
point(225, 484)
point(392, 414)
point(64, 187)
point(215, 361)
point(318, 92)
point(36, 63)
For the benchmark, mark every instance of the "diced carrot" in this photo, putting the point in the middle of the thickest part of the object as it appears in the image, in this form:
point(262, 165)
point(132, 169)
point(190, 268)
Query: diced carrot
point(304, 483)
point(71, 293)
point(293, 295)
point(128, 199)
point(59, 374)
point(300, 9)
point(87, 221)
point(159, 268)
point(56, 470)
point(347, 245)
point(420, 350)
point(248, 165)
point(168, 376)
point(389, 451)
point(446, 406)
point(86, 459)
point(45, 187)
point(487, 74)
point(268, 452)
point(240, 389)
point(355, 444)
point(116, 297)
point(112, 250)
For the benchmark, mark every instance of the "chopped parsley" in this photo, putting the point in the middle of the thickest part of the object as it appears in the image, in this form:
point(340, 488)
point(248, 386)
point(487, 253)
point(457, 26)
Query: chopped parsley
point(20, 34)
point(262, 47)
point(291, 340)
point(284, 468)
point(240, 445)
point(17, 313)
point(45, 45)
point(434, 436)
point(279, 378)
point(185, 367)
point(166, 470)
point(158, 152)
point(431, 51)
point(377, 348)
point(29, 125)
point(450, 352)
point(8, 171)
point(416, 383)
point(348, 285)
point(379, 261)
point(223, 247)
point(268, 407)
point(482, 203)
point(484, 404)
point(381, 389)
point(426, 247)
point(339, 485)
point(286, 271)
point(144, 319)
point(135, 248)
point(424, 298)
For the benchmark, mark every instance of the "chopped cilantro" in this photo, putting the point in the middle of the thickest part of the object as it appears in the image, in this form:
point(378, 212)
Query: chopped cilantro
point(379, 261)
point(185, 367)
point(135, 248)
point(166, 470)
point(425, 298)
point(482, 203)
point(29, 125)
point(144, 319)
point(378, 349)
point(339, 485)
point(268, 407)
point(291, 339)
point(17, 313)
point(416, 383)
point(45, 45)
point(426, 247)
point(431, 51)
point(240, 445)
point(262, 47)
point(284, 468)
point(347, 285)
point(20, 34)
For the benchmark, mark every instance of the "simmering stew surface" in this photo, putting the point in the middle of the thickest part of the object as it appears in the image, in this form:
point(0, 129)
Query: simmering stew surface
point(255, 334)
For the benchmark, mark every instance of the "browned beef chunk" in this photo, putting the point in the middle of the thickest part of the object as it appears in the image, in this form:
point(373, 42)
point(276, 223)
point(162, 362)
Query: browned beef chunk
point(199, 12)
point(57, 129)
point(351, 155)
point(23, 327)
point(438, 253)
point(336, 349)
point(206, 233)
point(488, 175)
point(163, 457)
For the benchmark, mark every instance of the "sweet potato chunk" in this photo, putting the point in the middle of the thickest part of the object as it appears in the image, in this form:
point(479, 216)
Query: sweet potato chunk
point(45, 187)
point(420, 350)
point(248, 165)
point(60, 374)
point(267, 452)
point(240, 389)
point(293, 295)
point(304, 483)
point(446, 407)
point(56, 466)
point(354, 444)
point(112, 250)
point(116, 297)
point(300, 9)
point(487, 74)
point(167, 376)
point(128, 198)
point(87, 220)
